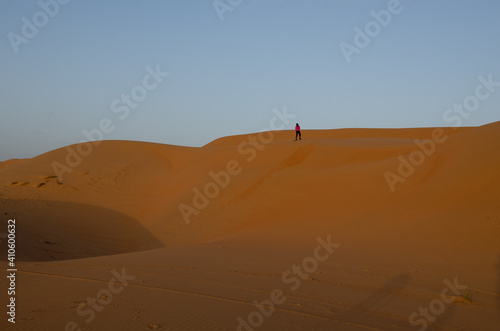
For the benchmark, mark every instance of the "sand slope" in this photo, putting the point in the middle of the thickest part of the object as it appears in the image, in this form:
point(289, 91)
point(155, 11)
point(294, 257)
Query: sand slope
point(119, 208)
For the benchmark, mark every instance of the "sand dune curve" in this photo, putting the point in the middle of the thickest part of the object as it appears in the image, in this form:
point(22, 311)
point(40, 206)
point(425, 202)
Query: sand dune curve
point(399, 245)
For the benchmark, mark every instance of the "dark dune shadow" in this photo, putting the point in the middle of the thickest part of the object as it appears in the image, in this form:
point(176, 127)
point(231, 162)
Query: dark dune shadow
point(372, 304)
point(55, 230)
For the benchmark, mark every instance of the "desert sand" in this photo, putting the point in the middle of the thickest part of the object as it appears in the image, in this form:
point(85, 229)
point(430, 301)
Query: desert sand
point(126, 241)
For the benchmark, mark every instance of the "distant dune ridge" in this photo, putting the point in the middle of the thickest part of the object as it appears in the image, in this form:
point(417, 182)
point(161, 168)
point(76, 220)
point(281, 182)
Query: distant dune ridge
point(208, 232)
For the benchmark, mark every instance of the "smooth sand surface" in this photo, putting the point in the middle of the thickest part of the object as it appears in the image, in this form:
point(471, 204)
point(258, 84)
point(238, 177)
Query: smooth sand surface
point(396, 257)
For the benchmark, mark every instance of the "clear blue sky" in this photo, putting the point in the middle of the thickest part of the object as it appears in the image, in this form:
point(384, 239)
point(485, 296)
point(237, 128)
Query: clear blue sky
point(226, 76)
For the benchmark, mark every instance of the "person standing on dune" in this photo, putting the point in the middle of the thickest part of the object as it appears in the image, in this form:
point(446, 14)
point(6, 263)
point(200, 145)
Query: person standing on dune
point(297, 132)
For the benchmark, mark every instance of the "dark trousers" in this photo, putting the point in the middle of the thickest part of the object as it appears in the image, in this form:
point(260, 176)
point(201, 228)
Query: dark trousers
point(297, 134)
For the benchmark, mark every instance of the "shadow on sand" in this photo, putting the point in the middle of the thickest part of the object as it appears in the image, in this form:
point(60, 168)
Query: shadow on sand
point(55, 230)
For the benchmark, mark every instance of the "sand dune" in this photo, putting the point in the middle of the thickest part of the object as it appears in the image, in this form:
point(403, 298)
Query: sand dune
point(209, 234)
